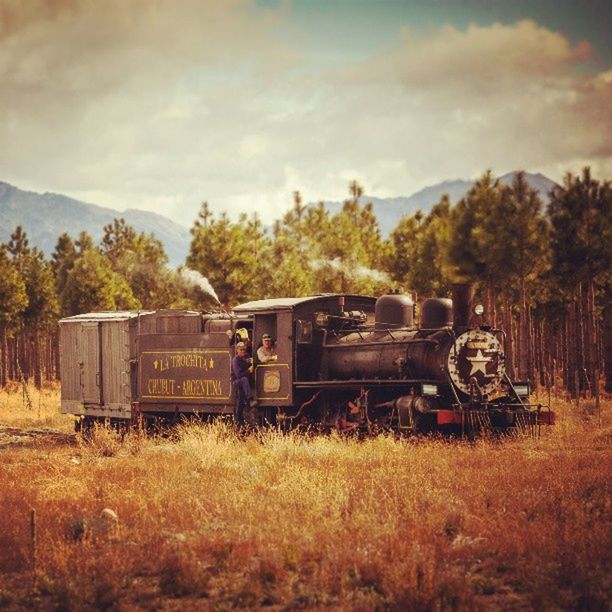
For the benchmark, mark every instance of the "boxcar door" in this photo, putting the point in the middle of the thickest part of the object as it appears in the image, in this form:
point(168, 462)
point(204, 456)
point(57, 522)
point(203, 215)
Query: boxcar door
point(115, 364)
point(89, 362)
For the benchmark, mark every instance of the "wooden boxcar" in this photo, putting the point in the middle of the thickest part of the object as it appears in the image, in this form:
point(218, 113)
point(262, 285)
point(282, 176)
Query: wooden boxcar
point(99, 355)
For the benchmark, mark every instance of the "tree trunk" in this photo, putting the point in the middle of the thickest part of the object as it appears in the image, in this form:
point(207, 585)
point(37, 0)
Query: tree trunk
point(11, 354)
point(530, 345)
point(3, 357)
point(36, 358)
point(523, 333)
point(562, 352)
point(514, 331)
point(540, 357)
point(570, 348)
point(56, 354)
point(607, 347)
point(491, 307)
point(579, 346)
point(507, 323)
point(49, 356)
point(22, 366)
point(590, 335)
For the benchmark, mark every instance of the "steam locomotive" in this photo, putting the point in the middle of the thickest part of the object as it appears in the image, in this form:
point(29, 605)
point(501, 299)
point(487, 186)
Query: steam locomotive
point(344, 363)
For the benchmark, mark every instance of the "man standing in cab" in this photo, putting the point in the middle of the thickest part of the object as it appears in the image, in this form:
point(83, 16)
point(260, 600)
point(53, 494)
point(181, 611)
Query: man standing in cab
point(241, 378)
point(266, 353)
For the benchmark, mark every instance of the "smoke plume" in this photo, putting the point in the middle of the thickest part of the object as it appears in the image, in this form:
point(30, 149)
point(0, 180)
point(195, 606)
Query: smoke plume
point(337, 265)
point(201, 282)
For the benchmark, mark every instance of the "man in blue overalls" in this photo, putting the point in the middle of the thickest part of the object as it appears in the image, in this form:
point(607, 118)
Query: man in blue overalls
point(241, 378)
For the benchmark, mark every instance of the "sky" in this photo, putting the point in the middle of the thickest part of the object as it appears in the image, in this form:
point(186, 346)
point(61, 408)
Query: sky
point(161, 105)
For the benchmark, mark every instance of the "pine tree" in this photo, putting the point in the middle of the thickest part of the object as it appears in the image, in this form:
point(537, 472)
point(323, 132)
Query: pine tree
point(430, 278)
point(235, 257)
point(401, 260)
point(351, 252)
point(18, 245)
point(292, 272)
point(41, 313)
point(84, 242)
point(92, 285)
point(13, 301)
point(581, 216)
point(471, 247)
point(522, 252)
point(294, 248)
point(62, 261)
point(141, 260)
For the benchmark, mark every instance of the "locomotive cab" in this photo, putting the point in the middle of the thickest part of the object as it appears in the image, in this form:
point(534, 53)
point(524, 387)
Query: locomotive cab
point(298, 327)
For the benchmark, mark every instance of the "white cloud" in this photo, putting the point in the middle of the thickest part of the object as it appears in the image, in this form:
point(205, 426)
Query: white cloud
point(452, 103)
point(139, 104)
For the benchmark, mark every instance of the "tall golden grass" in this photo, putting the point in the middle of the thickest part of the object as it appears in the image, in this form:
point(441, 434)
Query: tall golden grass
point(27, 406)
point(207, 519)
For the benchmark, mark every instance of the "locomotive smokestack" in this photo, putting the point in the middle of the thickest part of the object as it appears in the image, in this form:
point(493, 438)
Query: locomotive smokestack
point(462, 304)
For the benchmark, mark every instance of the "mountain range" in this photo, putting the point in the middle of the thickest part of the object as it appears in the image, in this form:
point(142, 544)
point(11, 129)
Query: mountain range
point(389, 210)
point(45, 216)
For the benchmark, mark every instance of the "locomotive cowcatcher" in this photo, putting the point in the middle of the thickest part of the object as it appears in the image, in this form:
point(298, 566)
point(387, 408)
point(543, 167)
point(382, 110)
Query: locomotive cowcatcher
point(345, 363)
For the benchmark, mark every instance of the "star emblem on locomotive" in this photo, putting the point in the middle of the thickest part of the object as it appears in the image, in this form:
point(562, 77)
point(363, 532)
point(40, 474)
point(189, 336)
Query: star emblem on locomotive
point(476, 354)
point(479, 363)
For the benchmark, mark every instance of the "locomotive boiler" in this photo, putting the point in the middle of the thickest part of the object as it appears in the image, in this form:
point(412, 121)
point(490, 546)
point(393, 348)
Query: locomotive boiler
point(446, 366)
point(344, 363)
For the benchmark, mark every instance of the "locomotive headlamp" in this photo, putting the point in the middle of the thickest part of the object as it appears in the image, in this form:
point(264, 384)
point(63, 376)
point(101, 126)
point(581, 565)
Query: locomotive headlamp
point(478, 309)
point(429, 389)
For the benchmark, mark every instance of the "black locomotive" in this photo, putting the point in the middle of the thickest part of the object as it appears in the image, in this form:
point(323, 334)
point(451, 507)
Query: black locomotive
point(344, 362)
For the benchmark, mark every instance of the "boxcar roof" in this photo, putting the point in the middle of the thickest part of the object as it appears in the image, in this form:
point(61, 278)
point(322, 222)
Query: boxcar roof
point(289, 303)
point(120, 315)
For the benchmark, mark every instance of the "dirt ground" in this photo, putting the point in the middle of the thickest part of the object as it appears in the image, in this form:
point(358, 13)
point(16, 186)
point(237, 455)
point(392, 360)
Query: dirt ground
point(33, 436)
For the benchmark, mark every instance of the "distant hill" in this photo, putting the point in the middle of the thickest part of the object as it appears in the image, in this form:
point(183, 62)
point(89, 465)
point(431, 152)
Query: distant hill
point(390, 210)
point(45, 216)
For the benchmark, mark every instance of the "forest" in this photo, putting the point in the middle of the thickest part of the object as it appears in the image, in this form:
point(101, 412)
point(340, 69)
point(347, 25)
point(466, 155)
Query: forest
point(542, 271)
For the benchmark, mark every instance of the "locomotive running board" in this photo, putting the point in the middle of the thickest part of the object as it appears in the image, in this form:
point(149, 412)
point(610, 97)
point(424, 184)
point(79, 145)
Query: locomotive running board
point(360, 382)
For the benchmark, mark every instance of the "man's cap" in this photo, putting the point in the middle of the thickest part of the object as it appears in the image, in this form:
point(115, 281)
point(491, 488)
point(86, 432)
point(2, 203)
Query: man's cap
point(267, 337)
point(240, 345)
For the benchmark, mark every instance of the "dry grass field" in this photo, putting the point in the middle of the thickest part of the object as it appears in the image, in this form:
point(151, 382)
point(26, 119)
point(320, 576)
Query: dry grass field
point(206, 520)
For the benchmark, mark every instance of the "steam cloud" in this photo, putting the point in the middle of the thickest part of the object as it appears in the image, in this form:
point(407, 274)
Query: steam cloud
point(338, 265)
point(195, 278)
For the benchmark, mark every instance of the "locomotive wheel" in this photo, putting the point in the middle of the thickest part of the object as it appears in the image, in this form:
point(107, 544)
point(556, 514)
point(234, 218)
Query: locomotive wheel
point(422, 424)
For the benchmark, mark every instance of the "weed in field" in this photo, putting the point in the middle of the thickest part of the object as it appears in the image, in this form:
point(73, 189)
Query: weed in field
point(183, 572)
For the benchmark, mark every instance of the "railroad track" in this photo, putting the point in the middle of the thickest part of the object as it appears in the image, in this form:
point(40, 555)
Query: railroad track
point(33, 436)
